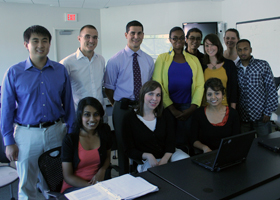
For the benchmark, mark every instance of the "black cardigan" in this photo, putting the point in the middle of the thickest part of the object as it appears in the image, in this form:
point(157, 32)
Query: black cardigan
point(69, 151)
point(232, 84)
point(138, 138)
point(202, 130)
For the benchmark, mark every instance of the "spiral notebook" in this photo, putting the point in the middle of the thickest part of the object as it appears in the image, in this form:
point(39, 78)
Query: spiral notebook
point(122, 187)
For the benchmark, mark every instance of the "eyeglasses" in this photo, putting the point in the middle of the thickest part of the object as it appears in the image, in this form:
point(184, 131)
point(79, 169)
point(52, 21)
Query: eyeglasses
point(175, 39)
point(195, 38)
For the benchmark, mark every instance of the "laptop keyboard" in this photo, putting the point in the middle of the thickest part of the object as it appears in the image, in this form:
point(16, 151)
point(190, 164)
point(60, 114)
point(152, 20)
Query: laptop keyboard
point(209, 160)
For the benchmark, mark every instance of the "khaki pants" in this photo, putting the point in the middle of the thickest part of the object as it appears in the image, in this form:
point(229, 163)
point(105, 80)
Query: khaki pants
point(32, 142)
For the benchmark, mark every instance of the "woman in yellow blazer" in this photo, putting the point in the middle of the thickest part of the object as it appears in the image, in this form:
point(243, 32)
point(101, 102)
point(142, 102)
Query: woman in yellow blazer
point(181, 77)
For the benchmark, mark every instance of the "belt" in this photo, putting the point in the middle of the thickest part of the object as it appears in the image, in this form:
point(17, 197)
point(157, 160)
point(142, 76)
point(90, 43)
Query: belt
point(41, 125)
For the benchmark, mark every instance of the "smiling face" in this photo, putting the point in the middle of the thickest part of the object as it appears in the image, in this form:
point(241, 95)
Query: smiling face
point(134, 37)
point(194, 40)
point(152, 99)
point(38, 46)
point(230, 39)
point(210, 49)
point(177, 39)
point(88, 39)
point(214, 98)
point(90, 118)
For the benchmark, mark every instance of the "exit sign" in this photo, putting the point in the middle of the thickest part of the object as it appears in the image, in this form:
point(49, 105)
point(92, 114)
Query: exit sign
point(70, 17)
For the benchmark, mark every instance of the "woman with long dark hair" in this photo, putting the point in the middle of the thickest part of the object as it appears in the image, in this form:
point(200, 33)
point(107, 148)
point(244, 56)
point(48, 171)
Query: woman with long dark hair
point(86, 152)
point(215, 65)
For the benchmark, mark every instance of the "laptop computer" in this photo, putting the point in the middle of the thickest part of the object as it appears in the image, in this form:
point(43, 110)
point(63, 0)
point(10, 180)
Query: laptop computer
point(233, 150)
point(273, 144)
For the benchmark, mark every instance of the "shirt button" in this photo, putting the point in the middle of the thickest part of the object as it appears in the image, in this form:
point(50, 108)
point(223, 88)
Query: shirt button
point(42, 82)
point(43, 104)
point(44, 115)
point(41, 72)
point(43, 93)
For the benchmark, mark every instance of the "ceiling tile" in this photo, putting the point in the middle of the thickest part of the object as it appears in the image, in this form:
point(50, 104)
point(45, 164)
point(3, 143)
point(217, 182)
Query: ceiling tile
point(71, 4)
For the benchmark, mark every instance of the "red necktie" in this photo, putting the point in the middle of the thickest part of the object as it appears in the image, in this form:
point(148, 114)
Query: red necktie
point(136, 77)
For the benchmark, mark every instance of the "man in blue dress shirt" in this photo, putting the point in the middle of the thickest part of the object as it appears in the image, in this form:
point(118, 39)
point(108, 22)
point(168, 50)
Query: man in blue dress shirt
point(36, 95)
point(119, 81)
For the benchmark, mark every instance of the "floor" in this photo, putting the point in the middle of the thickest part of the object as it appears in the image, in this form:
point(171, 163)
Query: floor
point(5, 191)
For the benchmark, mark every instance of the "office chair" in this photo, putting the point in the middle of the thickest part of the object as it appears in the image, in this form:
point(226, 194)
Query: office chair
point(8, 174)
point(50, 166)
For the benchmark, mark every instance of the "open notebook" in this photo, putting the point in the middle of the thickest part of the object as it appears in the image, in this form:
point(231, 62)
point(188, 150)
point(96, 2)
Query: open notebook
point(122, 187)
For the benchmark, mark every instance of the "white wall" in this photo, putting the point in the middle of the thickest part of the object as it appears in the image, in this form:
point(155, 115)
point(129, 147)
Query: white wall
point(156, 19)
point(245, 10)
point(111, 22)
point(15, 18)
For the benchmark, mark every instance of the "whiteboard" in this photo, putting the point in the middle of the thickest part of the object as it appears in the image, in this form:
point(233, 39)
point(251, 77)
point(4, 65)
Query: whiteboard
point(264, 35)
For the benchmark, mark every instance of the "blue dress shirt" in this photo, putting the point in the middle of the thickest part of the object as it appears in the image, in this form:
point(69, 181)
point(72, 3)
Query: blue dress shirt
point(119, 72)
point(32, 96)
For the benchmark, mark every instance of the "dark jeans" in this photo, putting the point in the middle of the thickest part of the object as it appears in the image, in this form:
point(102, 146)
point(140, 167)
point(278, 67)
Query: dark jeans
point(261, 128)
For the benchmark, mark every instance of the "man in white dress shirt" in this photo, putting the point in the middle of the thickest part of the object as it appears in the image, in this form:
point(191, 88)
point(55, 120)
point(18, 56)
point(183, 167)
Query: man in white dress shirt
point(86, 68)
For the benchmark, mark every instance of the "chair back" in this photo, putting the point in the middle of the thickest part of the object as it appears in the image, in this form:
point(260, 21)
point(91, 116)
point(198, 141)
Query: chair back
point(51, 168)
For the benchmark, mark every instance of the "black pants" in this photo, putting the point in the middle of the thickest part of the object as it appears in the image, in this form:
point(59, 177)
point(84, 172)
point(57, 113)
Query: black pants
point(118, 116)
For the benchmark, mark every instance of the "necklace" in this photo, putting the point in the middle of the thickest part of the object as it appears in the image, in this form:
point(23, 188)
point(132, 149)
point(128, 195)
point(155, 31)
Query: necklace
point(214, 66)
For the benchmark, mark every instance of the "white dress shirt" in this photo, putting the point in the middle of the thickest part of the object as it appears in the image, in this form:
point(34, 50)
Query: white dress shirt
point(86, 76)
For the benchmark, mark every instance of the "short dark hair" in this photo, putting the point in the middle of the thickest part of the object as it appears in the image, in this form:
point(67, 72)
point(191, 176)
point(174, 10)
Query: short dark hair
point(88, 101)
point(87, 26)
point(40, 30)
point(233, 30)
point(148, 87)
point(193, 30)
point(176, 28)
point(215, 84)
point(133, 23)
point(243, 40)
point(213, 38)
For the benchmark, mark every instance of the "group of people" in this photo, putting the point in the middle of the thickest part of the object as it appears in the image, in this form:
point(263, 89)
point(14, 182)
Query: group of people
point(186, 99)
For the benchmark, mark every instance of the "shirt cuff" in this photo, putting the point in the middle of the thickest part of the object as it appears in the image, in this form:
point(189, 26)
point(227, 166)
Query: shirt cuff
point(108, 86)
point(9, 140)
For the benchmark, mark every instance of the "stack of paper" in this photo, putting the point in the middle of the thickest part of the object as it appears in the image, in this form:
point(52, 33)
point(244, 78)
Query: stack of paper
point(122, 187)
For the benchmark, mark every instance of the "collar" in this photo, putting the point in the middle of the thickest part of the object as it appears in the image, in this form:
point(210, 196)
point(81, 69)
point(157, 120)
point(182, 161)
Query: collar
point(250, 62)
point(130, 52)
point(172, 53)
point(197, 52)
point(29, 64)
point(80, 55)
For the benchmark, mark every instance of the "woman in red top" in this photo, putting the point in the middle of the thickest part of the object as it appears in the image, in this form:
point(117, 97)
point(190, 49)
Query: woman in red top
point(86, 153)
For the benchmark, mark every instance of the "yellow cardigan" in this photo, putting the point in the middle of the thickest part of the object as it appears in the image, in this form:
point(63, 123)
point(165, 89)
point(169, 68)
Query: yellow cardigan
point(160, 75)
